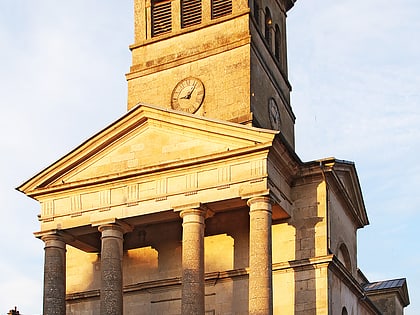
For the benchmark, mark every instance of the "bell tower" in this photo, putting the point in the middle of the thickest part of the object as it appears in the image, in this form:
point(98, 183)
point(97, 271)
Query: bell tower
point(223, 59)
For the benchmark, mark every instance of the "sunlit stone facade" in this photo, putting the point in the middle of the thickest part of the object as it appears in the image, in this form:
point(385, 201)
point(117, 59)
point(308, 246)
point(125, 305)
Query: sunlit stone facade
point(198, 204)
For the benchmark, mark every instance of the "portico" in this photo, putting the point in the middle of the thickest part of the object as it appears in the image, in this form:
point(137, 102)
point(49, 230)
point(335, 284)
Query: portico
point(99, 214)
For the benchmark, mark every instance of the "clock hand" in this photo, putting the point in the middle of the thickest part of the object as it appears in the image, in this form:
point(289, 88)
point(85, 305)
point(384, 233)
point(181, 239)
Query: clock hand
point(189, 93)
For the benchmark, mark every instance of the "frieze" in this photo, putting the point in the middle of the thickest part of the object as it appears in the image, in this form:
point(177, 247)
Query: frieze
point(191, 184)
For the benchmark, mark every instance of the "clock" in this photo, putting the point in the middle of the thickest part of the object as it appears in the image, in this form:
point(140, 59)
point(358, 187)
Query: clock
point(273, 114)
point(188, 95)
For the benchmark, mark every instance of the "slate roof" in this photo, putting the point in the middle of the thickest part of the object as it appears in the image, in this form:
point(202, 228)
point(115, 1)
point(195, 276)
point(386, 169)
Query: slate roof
point(399, 286)
point(386, 284)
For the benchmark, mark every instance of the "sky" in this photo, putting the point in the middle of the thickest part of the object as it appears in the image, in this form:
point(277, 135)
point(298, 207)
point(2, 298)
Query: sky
point(355, 70)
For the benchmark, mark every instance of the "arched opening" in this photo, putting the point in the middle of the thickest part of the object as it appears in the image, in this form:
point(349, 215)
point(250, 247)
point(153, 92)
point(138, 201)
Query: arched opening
point(344, 311)
point(344, 256)
point(277, 42)
point(268, 25)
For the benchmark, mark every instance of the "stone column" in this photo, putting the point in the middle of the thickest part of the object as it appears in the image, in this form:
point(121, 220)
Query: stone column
point(111, 269)
point(54, 302)
point(260, 257)
point(192, 261)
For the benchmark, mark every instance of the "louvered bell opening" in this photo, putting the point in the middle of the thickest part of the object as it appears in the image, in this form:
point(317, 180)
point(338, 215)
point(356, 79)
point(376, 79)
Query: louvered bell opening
point(220, 8)
point(191, 12)
point(161, 18)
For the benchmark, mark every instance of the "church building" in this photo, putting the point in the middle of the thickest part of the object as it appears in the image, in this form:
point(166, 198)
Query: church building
point(194, 201)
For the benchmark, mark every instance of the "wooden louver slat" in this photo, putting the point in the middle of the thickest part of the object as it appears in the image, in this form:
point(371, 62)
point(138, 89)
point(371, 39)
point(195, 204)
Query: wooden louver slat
point(190, 12)
point(220, 8)
point(161, 18)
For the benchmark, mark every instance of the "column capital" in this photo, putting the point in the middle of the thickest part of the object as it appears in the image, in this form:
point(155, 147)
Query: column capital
point(194, 208)
point(55, 238)
point(260, 202)
point(51, 237)
point(247, 194)
point(119, 225)
point(199, 212)
point(187, 206)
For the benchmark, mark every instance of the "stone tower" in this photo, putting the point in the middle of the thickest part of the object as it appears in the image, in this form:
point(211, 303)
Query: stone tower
point(194, 201)
point(234, 51)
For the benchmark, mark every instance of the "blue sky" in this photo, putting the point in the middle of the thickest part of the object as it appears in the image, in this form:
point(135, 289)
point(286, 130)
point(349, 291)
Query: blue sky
point(355, 70)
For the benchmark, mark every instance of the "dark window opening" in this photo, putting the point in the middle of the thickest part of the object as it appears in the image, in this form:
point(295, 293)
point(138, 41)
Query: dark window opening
point(190, 12)
point(220, 8)
point(257, 12)
point(161, 17)
point(267, 28)
point(277, 43)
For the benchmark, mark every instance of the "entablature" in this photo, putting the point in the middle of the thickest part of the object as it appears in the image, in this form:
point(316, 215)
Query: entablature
point(156, 191)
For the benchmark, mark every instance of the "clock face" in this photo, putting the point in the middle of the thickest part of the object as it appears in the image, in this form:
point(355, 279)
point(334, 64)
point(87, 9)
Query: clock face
point(274, 114)
point(188, 95)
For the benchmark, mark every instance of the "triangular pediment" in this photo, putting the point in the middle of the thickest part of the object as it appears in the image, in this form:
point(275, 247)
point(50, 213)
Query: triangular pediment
point(347, 176)
point(147, 137)
point(346, 181)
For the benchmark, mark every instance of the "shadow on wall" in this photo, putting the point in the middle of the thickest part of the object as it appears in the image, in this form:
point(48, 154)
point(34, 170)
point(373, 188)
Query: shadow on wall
point(152, 267)
point(308, 213)
point(305, 272)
